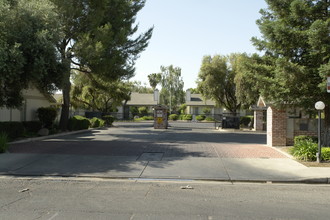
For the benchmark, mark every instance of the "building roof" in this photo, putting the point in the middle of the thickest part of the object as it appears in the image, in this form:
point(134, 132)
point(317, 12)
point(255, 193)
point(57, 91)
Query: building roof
point(142, 99)
point(198, 100)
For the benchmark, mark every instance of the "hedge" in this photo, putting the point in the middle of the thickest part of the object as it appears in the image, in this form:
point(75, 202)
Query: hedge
point(13, 129)
point(109, 119)
point(245, 120)
point(200, 117)
point(47, 116)
point(96, 122)
point(32, 126)
point(173, 117)
point(78, 123)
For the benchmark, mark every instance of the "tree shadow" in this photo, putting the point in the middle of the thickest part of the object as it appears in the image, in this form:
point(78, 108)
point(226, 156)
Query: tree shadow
point(117, 152)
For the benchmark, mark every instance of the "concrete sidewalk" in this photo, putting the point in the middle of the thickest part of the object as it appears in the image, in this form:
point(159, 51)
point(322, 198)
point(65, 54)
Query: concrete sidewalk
point(192, 168)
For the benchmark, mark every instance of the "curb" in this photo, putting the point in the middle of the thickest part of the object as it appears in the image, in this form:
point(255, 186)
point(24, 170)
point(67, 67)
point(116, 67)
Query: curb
point(51, 136)
point(297, 181)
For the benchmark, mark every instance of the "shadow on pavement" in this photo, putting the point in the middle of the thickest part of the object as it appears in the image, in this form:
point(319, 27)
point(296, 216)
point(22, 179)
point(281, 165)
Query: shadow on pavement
point(139, 151)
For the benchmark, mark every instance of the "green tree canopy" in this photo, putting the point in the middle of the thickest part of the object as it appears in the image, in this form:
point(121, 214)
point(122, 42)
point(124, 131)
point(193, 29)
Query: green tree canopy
point(296, 43)
point(29, 33)
point(172, 93)
point(137, 86)
point(92, 93)
point(100, 37)
point(216, 80)
point(154, 80)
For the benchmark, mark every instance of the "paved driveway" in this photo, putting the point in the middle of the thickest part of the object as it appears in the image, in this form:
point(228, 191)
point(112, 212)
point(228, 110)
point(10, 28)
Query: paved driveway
point(140, 139)
point(136, 150)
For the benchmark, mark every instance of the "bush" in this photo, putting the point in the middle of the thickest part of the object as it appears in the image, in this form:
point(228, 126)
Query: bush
point(245, 120)
point(173, 117)
point(3, 142)
point(325, 153)
point(78, 123)
point(13, 129)
point(47, 116)
point(96, 122)
point(300, 138)
point(182, 108)
point(187, 117)
point(143, 111)
point(305, 148)
point(206, 111)
point(209, 119)
point(148, 118)
point(109, 119)
point(134, 110)
point(32, 126)
point(200, 117)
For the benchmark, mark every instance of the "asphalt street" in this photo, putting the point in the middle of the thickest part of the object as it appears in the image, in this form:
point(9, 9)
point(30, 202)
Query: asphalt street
point(65, 198)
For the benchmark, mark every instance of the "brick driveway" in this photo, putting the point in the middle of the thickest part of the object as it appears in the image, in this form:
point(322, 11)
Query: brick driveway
point(134, 139)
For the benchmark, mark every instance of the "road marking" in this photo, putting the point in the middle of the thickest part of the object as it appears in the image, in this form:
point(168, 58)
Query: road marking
point(56, 214)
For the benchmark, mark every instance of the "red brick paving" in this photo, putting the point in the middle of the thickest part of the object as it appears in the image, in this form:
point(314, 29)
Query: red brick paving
point(247, 151)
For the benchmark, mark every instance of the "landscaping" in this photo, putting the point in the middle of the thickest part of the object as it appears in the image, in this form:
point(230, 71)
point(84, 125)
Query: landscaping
point(305, 149)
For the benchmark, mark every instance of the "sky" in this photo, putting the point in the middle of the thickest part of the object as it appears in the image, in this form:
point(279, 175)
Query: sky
point(187, 30)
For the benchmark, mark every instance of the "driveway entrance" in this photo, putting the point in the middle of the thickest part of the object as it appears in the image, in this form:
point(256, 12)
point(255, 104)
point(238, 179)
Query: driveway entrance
point(136, 139)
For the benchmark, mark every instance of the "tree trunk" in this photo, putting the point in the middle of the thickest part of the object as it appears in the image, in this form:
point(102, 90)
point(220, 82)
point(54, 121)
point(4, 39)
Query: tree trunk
point(66, 103)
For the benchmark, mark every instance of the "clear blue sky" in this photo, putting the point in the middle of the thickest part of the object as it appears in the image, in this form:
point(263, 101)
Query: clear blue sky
point(187, 30)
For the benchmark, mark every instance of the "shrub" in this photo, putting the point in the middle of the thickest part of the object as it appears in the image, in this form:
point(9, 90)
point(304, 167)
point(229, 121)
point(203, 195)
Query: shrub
point(245, 120)
point(182, 108)
point(325, 153)
point(47, 116)
point(300, 138)
point(209, 119)
point(96, 122)
point(3, 142)
point(78, 123)
point(187, 117)
point(148, 118)
point(134, 110)
point(109, 119)
point(305, 148)
point(143, 111)
point(32, 126)
point(13, 129)
point(206, 110)
point(138, 119)
point(200, 117)
point(173, 117)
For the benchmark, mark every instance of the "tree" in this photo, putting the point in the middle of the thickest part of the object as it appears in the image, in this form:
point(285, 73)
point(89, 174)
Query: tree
point(172, 93)
point(216, 80)
point(194, 90)
point(251, 78)
point(91, 93)
point(154, 80)
point(99, 38)
point(29, 32)
point(137, 86)
point(296, 43)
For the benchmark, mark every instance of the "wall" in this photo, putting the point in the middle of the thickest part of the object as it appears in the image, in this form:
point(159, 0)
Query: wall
point(276, 126)
point(33, 99)
point(300, 126)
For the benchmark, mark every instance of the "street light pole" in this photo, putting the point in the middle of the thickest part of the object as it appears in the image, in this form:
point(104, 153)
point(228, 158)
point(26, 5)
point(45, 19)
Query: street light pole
point(319, 107)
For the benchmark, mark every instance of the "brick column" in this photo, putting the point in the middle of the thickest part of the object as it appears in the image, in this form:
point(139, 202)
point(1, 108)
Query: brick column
point(258, 120)
point(276, 127)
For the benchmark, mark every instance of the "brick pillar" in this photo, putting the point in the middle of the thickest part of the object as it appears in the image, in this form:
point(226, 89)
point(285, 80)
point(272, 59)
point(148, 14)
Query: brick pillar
point(276, 127)
point(258, 120)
